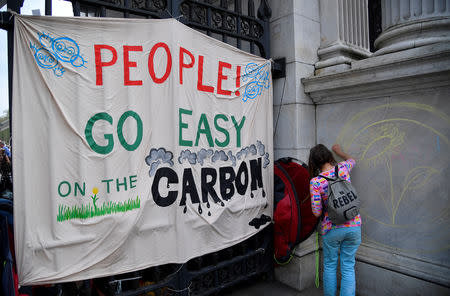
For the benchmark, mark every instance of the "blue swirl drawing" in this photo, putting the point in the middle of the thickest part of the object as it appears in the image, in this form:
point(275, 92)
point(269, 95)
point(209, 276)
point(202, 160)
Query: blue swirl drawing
point(51, 52)
point(259, 76)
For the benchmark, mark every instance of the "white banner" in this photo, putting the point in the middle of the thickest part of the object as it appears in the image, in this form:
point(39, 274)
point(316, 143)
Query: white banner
point(135, 143)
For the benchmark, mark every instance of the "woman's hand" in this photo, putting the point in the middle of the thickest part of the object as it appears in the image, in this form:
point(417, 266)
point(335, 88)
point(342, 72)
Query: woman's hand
point(337, 149)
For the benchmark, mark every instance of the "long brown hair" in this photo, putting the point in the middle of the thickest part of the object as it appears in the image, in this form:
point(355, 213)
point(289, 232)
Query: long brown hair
point(318, 156)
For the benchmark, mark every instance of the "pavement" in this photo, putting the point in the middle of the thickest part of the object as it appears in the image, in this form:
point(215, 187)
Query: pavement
point(270, 288)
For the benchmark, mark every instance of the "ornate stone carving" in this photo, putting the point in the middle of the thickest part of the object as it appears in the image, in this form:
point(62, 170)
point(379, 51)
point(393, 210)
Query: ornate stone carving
point(116, 2)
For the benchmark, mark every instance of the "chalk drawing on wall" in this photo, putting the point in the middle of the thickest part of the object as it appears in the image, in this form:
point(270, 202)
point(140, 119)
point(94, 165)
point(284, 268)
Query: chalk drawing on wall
point(402, 150)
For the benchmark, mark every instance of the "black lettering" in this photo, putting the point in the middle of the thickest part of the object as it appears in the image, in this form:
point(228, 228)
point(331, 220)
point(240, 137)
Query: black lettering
point(189, 188)
point(256, 172)
point(171, 175)
point(335, 204)
point(349, 195)
point(208, 187)
point(346, 201)
point(341, 202)
point(226, 184)
point(242, 187)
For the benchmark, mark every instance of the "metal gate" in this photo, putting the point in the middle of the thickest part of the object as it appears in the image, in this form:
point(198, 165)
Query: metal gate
point(236, 22)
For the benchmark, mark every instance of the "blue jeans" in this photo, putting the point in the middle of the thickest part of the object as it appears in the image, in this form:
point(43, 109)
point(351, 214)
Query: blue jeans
point(346, 240)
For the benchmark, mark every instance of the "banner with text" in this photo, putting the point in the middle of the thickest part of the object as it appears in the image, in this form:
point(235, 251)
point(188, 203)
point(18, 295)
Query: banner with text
point(136, 143)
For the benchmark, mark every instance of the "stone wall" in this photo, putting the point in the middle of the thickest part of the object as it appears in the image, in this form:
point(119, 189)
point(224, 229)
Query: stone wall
point(391, 112)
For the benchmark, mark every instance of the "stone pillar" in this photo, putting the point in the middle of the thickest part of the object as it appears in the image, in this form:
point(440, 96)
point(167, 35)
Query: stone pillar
point(295, 35)
point(344, 34)
point(412, 23)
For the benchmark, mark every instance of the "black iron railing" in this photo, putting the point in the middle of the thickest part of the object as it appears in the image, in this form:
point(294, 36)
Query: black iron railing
point(205, 275)
point(247, 29)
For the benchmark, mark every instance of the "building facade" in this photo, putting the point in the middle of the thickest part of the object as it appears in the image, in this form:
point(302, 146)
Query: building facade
point(388, 107)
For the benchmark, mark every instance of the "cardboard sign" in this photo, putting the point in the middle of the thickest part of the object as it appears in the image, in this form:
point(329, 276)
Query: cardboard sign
point(136, 143)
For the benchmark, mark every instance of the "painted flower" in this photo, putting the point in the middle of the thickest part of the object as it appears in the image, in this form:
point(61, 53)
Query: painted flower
point(383, 141)
point(94, 197)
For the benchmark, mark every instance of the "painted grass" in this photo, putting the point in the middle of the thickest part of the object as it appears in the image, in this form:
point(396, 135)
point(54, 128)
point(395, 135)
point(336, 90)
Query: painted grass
point(89, 211)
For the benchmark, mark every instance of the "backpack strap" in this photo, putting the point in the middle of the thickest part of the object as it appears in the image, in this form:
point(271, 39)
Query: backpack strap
point(327, 178)
point(325, 206)
point(336, 174)
point(336, 177)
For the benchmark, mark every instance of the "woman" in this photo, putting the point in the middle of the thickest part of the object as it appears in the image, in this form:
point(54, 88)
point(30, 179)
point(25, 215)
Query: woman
point(5, 171)
point(344, 238)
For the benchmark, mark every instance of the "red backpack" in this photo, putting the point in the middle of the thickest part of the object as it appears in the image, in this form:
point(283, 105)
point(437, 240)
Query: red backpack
point(293, 219)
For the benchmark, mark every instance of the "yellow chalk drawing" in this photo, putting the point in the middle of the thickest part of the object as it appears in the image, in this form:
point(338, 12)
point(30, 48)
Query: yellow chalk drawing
point(413, 181)
point(378, 137)
point(386, 133)
point(364, 114)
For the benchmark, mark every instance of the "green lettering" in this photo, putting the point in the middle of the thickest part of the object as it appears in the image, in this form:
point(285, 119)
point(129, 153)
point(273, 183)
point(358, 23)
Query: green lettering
point(122, 140)
point(238, 128)
point(182, 126)
point(69, 188)
point(124, 184)
point(107, 184)
point(222, 130)
point(133, 179)
point(204, 130)
point(90, 139)
point(78, 187)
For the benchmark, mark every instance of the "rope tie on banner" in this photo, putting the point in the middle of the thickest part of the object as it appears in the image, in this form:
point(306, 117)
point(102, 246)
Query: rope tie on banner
point(12, 12)
point(119, 282)
point(177, 18)
point(279, 110)
point(188, 288)
point(172, 274)
point(317, 260)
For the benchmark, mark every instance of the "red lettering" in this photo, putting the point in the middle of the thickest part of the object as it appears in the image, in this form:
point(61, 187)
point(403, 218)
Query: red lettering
point(221, 77)
point(151, 66)
point(99, 64)
point(238, 80)
point(200, 86)
point(182, 64)
point(127, 64)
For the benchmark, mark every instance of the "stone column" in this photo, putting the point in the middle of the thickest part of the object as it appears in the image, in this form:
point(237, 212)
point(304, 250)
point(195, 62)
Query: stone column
point(344, 34)
point(412, 23)
point(295, 35)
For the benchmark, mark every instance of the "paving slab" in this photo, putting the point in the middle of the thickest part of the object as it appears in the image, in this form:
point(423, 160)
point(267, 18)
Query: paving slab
point(270, 288)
